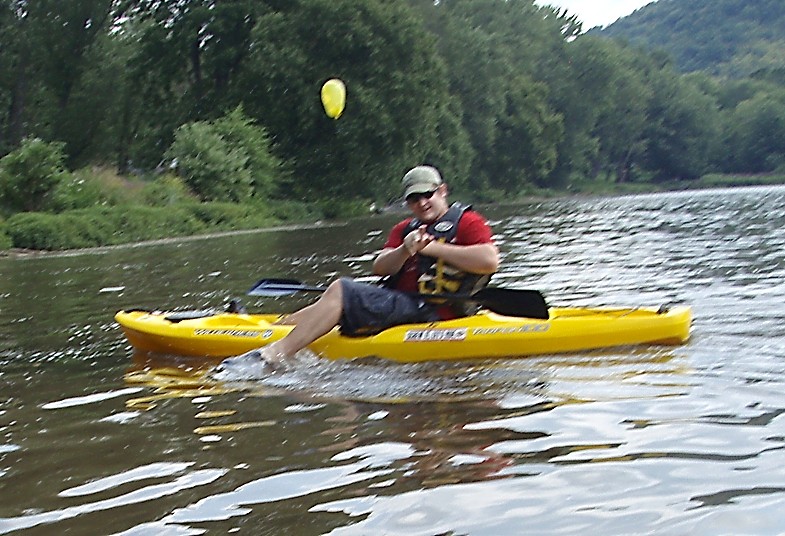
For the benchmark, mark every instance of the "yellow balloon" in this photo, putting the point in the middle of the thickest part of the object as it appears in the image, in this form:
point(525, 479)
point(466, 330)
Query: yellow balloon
point(334, 97)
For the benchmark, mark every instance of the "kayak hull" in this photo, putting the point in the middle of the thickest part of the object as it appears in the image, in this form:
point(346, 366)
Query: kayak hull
point(485, 335)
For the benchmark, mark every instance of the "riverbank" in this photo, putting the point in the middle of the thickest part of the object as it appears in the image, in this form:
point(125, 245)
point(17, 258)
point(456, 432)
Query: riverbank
point(711, 180)
point(20, 253)
point(99, 228)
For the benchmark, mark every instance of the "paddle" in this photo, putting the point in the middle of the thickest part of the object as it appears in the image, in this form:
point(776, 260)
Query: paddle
point(505, 301)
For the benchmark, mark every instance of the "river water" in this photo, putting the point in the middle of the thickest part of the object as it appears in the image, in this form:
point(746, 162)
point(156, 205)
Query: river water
point(646, 440)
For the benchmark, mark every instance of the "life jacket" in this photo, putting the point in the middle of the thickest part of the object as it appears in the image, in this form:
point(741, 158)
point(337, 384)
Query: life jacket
point(436, 276)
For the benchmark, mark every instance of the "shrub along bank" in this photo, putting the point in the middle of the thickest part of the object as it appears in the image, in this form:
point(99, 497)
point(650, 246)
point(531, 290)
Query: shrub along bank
point(224, 180)
point(110, 225)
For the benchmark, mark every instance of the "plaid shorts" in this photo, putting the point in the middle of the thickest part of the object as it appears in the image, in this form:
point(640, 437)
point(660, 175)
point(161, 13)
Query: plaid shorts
point(369, 309)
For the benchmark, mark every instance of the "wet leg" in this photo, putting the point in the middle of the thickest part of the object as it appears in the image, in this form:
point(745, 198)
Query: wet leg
point(310, 323)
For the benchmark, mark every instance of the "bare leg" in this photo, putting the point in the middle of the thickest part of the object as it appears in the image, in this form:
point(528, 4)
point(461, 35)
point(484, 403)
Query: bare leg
point(310, 323)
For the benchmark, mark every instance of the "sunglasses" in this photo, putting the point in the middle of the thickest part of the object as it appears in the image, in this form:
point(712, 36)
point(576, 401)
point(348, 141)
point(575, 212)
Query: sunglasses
point(414, 198)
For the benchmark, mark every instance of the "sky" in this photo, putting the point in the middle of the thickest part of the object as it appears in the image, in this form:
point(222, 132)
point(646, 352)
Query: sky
point(597, 12)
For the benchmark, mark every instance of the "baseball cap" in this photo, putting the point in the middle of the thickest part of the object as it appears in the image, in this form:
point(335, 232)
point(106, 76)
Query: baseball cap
point(420, 180)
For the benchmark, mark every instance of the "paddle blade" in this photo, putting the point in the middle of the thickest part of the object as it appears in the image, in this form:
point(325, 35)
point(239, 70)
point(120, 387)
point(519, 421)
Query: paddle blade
point(513, 302)
point(275, 287)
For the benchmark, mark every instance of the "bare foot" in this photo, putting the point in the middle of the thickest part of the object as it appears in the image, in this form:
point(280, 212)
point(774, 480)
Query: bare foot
point(274, 357)
point(260, 362)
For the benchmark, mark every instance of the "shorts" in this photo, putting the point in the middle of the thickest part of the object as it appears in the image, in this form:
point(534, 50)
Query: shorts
point(369, 309)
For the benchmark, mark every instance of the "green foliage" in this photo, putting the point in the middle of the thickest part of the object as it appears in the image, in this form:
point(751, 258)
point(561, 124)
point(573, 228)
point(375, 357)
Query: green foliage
point(76, 192)
point(614, 108)
point(335, 209)
point(230, 216)
point(397, 95)
point(5, 240)
point(513, 128)
point(528, 135)
point(105, 225)
point(209, 165)
point(225, 160)
point(714, 180)
point(93, 186)
point(683, 127)
point(187, 58)
point(756, 132)
point(29, 175)
point(99, 227)
point(166, 190)
point(240, 132)
point(729, 37)
point(43, 231)
point(295, 211)
point(55, 67)
point(506, 97)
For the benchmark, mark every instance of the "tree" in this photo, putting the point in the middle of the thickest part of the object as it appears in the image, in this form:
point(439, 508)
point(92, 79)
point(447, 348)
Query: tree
point(684, 126)
point(14, 75)
point(54, 71)
point(494, 52)
point(621, 106)
point(528, 136)
point(756, 134)
point(189, 55)
point(397, 95)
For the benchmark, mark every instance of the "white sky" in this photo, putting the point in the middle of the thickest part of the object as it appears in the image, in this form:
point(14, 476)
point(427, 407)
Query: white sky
point(597, 12)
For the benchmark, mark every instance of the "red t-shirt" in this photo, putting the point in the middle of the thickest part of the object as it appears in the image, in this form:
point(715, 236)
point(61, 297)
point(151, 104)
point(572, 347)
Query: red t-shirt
point(472, 229)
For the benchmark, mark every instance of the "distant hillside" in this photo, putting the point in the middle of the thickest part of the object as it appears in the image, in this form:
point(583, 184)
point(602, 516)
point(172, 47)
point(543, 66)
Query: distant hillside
point(736, 38)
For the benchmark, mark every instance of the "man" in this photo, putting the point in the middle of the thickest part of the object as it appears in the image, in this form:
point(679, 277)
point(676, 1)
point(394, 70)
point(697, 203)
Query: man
point(441, 249)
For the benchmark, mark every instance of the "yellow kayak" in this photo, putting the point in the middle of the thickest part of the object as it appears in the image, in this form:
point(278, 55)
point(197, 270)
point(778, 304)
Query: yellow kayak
point(484, 335)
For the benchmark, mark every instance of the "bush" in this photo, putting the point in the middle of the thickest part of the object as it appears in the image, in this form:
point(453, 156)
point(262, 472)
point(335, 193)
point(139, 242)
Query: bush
point(166, 190)
point(138, 223)
point(335, 209)
point(230, 216)
point(295, 211)
point(75, 192)
point(37, 230)
point(5, 240)
point(30, 174)
point(93, 186)
point(240, 132)
point(209, 165)
point(99, 226)
point(227, 160)
point(106, 225)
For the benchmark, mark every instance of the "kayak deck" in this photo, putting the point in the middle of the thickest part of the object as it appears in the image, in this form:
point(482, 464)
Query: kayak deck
point(484, 335)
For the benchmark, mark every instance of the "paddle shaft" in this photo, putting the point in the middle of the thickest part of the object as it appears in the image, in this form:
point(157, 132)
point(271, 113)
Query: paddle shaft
point(509, 302)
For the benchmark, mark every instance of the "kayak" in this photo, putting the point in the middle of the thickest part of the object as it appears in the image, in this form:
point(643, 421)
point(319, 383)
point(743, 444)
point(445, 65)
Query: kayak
point(484, 335)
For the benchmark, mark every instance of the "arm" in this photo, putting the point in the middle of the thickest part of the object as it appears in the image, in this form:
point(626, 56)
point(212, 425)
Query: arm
point(476, 258)
point(394, 253)
point(390, 260)
point(479, 256)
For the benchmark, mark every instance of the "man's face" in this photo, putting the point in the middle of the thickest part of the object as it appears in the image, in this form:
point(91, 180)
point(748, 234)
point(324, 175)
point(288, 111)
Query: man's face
point(430, 206)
